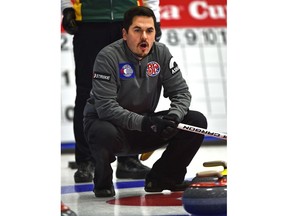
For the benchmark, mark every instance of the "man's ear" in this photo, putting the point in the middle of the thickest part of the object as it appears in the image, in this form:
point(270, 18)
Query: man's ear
point(124, 34)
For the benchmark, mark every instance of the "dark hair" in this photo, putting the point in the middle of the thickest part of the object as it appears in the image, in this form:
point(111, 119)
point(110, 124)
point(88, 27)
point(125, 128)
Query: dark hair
point(137, 11)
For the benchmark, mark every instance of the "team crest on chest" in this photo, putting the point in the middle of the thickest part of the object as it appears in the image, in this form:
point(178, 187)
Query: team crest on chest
point(126, 70)
point(153, 69)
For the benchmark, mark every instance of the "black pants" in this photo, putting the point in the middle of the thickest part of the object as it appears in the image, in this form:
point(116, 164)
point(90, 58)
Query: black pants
point(87, 43)
point(107, 141)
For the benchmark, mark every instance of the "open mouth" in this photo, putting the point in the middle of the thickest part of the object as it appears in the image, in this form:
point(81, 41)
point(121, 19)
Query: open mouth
point(143, 45)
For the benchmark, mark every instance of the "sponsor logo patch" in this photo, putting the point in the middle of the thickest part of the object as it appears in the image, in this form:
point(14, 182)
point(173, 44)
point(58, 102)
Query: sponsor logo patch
point(101, 76)
point(153, 69)
point(173, 66)
point(126, 70)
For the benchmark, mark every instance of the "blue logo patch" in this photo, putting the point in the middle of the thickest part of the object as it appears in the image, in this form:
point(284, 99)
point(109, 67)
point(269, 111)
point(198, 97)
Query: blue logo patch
point(126, 70)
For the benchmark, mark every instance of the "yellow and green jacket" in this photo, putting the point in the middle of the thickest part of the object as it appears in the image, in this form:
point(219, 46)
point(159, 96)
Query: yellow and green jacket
point(106, 10)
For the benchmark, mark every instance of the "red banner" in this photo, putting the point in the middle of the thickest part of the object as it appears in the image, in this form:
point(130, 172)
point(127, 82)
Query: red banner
point(193, 13)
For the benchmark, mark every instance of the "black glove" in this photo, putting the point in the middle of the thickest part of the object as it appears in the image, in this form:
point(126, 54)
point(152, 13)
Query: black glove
point(69, 21)
point(158, 32)
point(169, 132)
point(158, 125)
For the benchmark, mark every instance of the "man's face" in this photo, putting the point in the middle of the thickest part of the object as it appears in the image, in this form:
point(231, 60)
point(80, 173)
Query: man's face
point(140, 36)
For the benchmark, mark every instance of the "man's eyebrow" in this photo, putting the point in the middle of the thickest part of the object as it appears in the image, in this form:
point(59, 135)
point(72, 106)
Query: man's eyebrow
point(138, 27)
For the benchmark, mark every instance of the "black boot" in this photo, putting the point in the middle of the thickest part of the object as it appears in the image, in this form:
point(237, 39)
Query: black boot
point(84, 172)
point(131, 167)
point(104, 192)
point(159, 186)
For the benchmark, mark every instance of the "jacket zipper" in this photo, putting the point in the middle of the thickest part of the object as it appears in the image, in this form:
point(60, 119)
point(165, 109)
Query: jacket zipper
point(140, 71)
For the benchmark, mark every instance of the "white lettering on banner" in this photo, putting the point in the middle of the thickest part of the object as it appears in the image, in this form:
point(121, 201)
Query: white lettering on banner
point(201, 10)
point(194, 13)
point(169, 12)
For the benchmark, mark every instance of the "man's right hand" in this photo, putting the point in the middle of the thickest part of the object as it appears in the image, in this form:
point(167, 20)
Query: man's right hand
point(69, 21)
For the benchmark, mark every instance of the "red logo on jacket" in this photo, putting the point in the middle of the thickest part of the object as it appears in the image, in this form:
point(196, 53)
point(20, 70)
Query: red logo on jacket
point(153, 69)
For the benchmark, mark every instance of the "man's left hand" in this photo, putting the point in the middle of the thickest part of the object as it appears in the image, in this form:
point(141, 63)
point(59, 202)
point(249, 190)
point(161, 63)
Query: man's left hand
point(169, 132)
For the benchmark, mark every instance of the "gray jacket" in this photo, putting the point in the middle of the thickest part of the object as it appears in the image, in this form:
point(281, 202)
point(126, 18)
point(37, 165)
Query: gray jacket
point(124, 89)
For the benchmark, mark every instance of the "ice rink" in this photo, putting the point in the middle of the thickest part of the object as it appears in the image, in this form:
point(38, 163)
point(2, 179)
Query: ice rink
point(131, 199)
